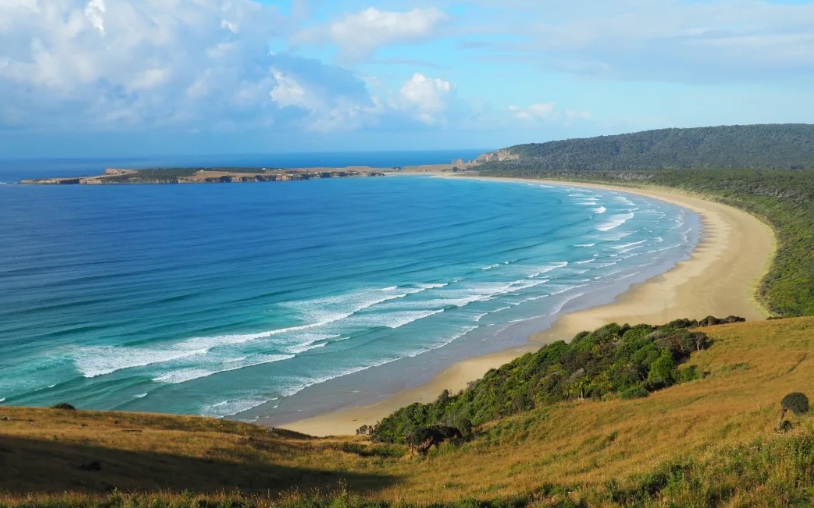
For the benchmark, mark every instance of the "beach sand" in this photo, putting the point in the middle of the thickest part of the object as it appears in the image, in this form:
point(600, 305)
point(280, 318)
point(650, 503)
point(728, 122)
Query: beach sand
point(719, 279)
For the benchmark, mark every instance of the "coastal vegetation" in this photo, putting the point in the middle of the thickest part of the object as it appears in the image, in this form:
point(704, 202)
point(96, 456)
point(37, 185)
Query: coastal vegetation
point(777, 146)
point(706, 442)
point(625, 361)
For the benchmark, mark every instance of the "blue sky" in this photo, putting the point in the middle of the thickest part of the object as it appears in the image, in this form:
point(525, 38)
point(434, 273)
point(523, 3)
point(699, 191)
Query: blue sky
point(85, 78)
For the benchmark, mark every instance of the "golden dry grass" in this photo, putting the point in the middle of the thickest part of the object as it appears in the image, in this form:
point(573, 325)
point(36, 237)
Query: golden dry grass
point(750, 366)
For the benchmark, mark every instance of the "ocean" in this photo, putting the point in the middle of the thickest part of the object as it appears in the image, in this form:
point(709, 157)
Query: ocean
point(276, 301)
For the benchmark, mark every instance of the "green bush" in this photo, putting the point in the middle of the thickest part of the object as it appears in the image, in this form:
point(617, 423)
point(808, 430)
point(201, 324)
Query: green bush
point(636, 392)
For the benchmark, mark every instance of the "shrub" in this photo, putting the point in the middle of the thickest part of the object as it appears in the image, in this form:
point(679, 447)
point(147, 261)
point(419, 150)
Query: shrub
point(635, 392)
point(795, 402)
point(64, 406)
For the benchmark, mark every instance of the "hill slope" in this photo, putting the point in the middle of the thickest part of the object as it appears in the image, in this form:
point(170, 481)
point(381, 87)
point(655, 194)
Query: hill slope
point(780, 146)
point(708, 442)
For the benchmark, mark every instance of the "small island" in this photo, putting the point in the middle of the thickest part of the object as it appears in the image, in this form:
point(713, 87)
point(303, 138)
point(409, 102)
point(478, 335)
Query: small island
point(113, 176)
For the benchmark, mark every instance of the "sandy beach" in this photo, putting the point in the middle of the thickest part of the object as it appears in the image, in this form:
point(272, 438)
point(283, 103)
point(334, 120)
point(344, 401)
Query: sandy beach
point(719, 279)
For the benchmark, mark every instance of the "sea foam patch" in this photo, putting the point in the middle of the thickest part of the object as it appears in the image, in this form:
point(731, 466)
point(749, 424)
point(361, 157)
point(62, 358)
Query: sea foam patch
point(615, 221)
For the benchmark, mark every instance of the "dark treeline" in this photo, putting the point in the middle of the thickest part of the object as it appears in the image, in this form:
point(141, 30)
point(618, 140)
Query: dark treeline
point(781, 146)
point(613, 360)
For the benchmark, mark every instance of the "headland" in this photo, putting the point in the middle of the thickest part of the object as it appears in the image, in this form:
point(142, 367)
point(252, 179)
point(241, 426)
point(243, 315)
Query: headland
point(199, 175)
point(114, 176)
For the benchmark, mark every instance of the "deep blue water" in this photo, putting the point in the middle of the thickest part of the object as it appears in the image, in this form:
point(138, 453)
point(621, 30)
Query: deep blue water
point(245, 298)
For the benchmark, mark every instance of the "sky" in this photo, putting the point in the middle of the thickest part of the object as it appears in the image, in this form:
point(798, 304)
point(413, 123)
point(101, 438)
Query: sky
point(98, 78)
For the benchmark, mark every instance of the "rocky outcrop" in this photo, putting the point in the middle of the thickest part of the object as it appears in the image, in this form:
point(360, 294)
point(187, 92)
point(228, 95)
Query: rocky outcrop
point(497, 156)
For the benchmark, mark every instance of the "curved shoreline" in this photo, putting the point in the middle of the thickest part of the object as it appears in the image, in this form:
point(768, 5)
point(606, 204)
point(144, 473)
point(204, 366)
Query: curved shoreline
point(720, 278)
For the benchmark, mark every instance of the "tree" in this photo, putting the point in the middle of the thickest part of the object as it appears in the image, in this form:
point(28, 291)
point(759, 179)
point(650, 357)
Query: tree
point(796, 402)
point(662, 371)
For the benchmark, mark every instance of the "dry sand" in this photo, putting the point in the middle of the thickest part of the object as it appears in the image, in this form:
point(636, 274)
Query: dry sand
point(719, 279)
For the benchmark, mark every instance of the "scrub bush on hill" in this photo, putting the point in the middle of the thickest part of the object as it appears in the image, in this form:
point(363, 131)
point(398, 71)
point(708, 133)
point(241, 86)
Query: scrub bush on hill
point(629, 361)
point(795, 402)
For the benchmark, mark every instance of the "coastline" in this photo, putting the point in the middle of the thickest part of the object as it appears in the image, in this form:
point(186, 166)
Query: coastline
point(718, 279)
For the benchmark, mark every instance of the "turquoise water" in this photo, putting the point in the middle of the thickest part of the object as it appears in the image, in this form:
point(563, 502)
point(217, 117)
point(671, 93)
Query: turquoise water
point(286, 299)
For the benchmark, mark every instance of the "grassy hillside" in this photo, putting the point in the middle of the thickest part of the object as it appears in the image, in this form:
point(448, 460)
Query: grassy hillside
point(629, 362)
point(781, 146)
point(709, 442)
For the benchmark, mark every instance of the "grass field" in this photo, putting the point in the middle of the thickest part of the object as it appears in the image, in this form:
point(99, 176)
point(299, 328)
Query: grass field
point(715, 435)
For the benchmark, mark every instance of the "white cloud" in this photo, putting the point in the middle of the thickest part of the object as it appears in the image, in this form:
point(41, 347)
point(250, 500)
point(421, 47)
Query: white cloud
point(537, 111)
point(578, 115)
point(288, 92)
point(188, 64)
point(549, 112)
point(95, 11)
point(359, 34)
point(428, 98)
point(667, 40)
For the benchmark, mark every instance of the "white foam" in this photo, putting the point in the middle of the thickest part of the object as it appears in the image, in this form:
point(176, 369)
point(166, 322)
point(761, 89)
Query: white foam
point(395, 319)
point(585, 245)
point(557, 308)
point(600, 210)
point(490, 267)
point(626, 247)
point(140, 396)
point(585, 261)
point(231, 407)
point(587, 202)
point(615, 221)
point(178, 376)
point(301, 383)
point(625, 200)
point(183, 375)
point(99, 361)
point(399, 319)
point(613, 237)
point(2, 399)
point(548, 268)
point(304, 342)
point(605, 265)
point(322, 311)
point(433, 286)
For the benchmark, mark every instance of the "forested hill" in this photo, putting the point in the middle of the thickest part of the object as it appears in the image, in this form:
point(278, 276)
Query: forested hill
point(776, 146)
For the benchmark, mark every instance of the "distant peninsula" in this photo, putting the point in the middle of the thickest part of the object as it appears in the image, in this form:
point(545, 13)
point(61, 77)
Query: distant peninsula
point(114, 176)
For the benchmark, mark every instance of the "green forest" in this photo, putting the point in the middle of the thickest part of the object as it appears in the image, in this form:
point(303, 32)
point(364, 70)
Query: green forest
point(776, 146)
